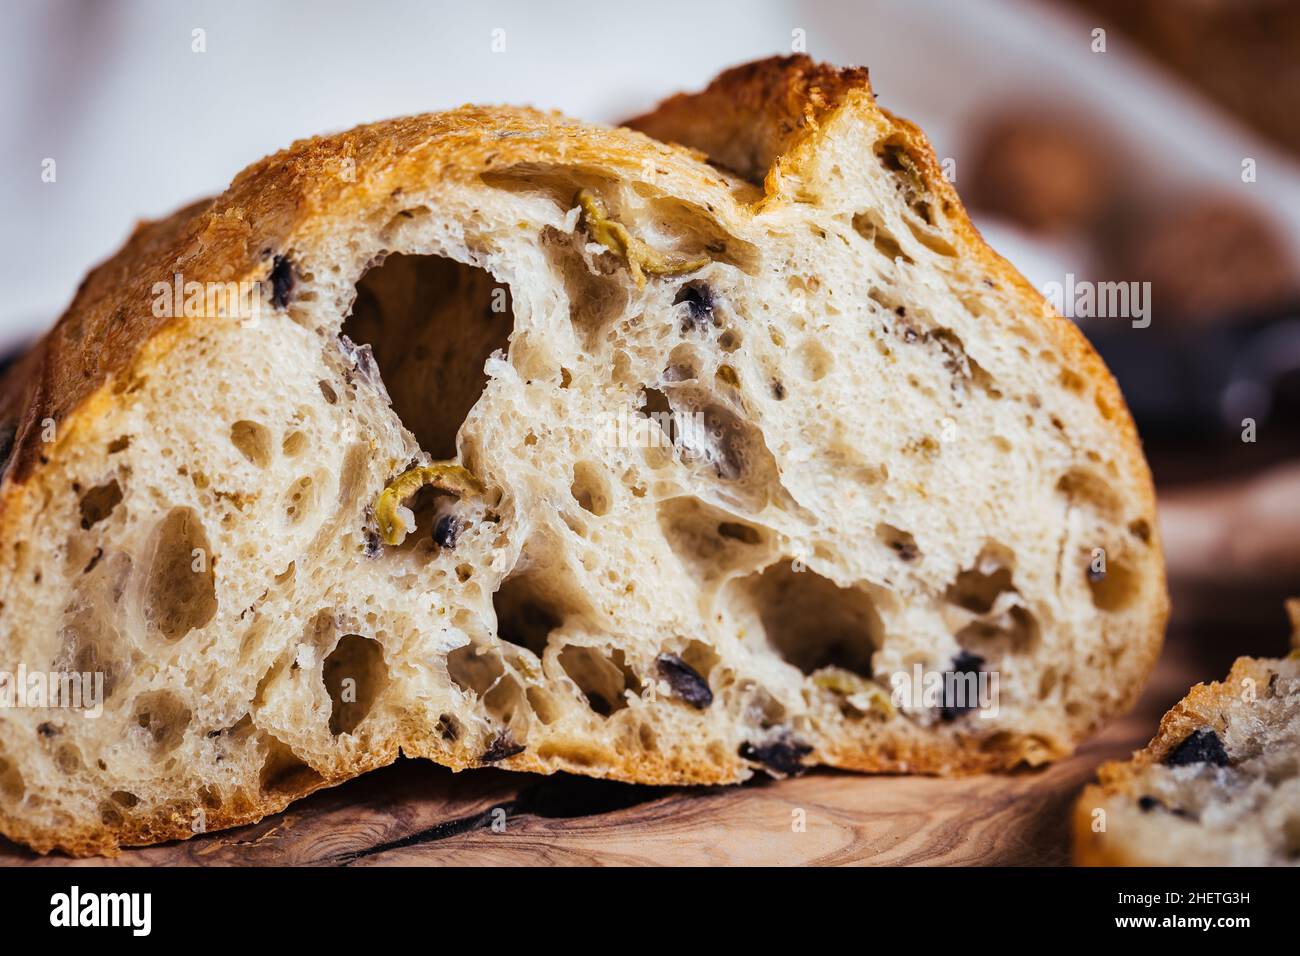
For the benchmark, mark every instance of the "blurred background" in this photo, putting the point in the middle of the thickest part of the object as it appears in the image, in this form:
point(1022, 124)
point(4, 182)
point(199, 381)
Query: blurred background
point(1129, 141)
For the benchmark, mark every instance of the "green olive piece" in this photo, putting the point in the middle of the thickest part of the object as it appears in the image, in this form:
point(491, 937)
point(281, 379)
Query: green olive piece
point(850, 685)
point(442, 475)
point(640, 257)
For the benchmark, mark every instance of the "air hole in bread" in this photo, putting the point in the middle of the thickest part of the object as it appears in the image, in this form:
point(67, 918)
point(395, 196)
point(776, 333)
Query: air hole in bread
point(285, 773)
point(353, 473)
point(507, 705)
point(180, 588)
point(354, 674)
point(700, 656)
point(1104, 406)
point(1116, 587)
point(12, 784)
point(869, 226)
point(738, 531)
point(657, 436)
point(712, 439)
point(294, 444)
point(1072, 381)
point(253, 439)
point(592, 488)
point(1015, 631)
point(899, 541)
point(254, 635)
point(815, 360)
point(812, 622)
point(684, 364)
point(560, 184)
point(528, 610)
point(1047, 681)
point(762, 709)
point(727, 376)
point(124, 798)
point(602, 675)
point(475, 668)
point(162, 718)
point(87, 642)
point(1141, 530)
point(300, 499)
point(431, 323)
point(448, 728)
point(544, 705)
point(98, 503)
point(1084, 487)
point(685, 229)
point(596, 296)
point(932, 240)
point(978, 587)
point(709, 542)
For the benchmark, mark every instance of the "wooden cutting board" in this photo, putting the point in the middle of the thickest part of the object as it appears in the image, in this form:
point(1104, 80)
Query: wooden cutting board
point(415, 813)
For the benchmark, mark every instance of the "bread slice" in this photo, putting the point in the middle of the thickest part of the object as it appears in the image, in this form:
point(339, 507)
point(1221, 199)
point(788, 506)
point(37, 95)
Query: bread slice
point(1219, 784)
point(554, 447)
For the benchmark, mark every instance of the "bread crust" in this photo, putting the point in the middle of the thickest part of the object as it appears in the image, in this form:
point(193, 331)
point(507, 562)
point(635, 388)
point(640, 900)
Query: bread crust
point(1204, 706)
point(760, 119)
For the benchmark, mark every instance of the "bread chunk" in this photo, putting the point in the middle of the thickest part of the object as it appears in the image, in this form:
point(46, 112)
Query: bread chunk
point(1219, 784)
point(653, 453)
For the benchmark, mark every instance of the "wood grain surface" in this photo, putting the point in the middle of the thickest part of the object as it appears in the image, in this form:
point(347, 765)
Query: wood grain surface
point(415, 813)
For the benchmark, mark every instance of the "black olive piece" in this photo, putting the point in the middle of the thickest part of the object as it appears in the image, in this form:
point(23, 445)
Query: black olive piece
point(964, 663)
point(47, 729)
point(1147, 803)
point(281, 281)
point(686, 682)
point(782, 756)
point(374, 547)
point(699, 302)
point(502, 747)
point(906, 552)
point(1202, 746)
point(446, 531)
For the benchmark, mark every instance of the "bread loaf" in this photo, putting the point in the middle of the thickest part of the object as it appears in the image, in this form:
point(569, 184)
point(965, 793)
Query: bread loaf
point(554, 446)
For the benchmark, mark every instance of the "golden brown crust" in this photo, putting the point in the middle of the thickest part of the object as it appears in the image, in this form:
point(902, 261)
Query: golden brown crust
point(753, 114)
point(760, 120)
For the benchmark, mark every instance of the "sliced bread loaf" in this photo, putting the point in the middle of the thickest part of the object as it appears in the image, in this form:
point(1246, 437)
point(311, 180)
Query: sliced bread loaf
point(554, 446)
